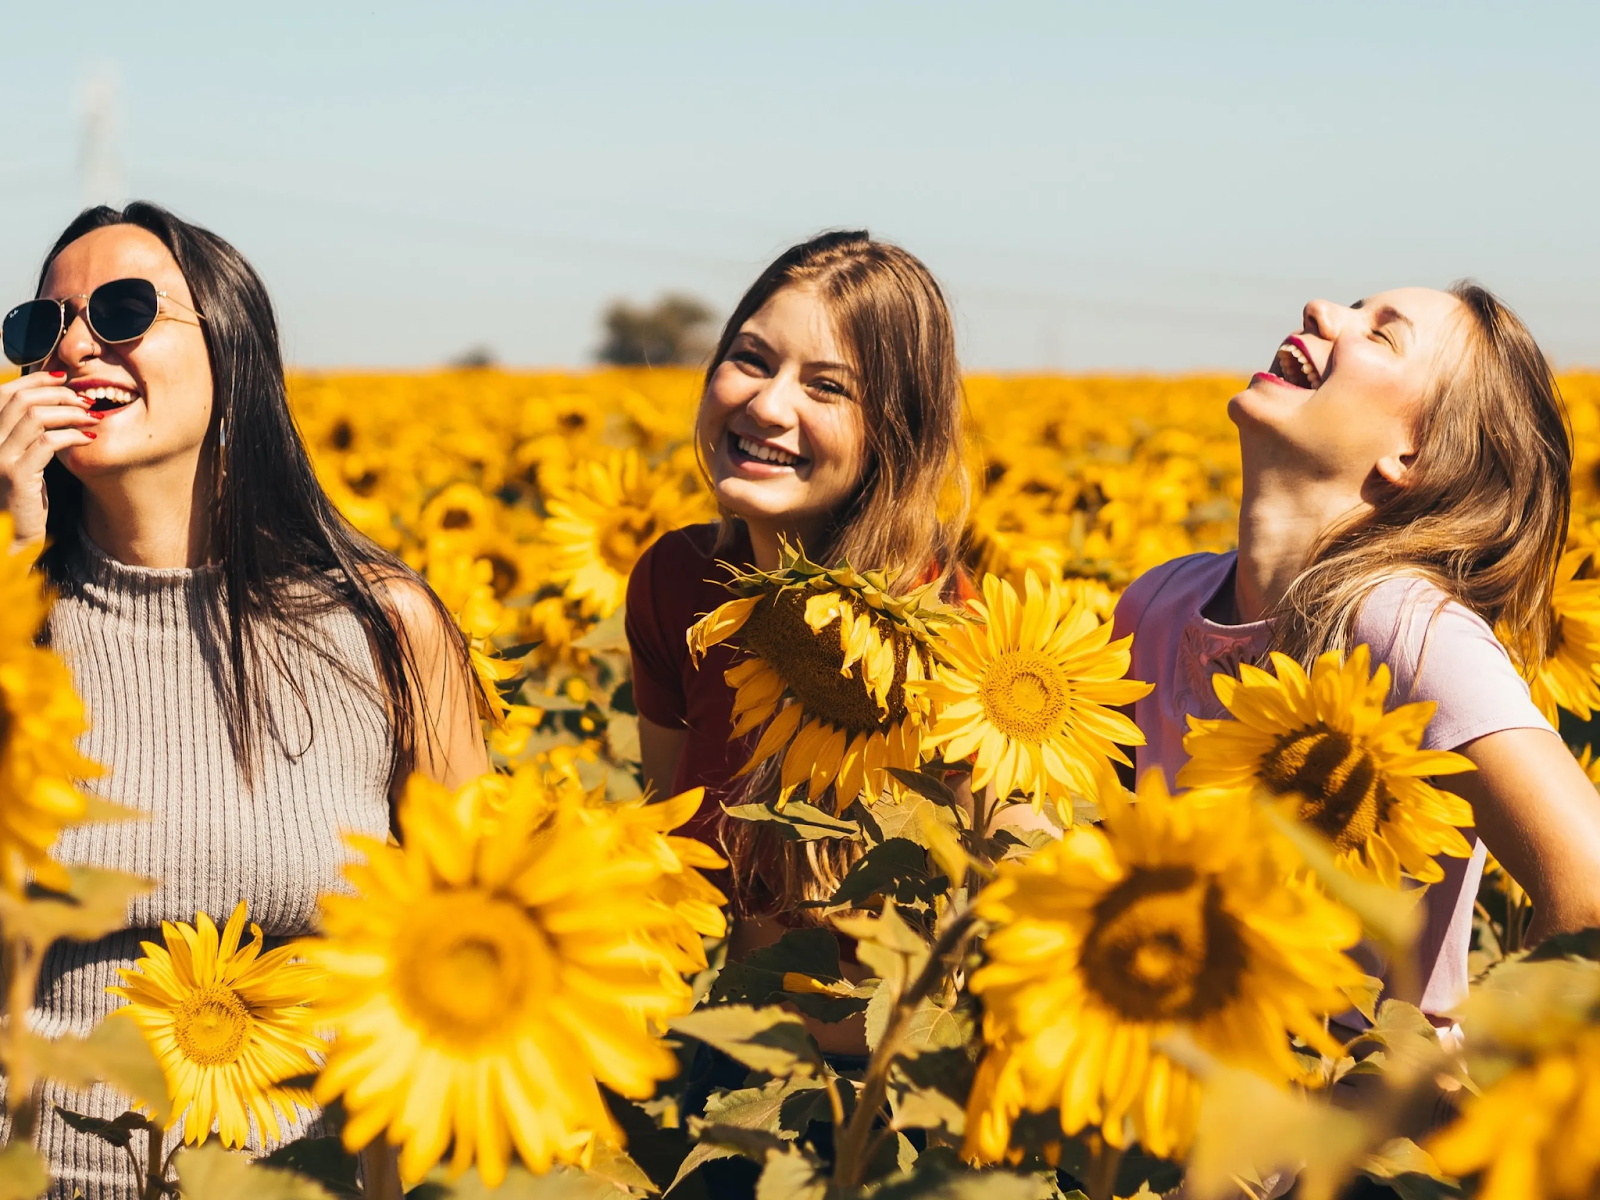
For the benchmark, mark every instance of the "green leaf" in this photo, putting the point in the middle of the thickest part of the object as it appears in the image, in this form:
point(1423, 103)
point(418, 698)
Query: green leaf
point(1584, 943)
point(758, 977)
point(797, 820)
point(929, 1091)
point(924, 784)
point(763, 1039)
point(95, 904)
point(1363, 996)
point(622, 737)
point(609, 634)
point(896, 868)
point(887, 945)
point(613, 1164)
point(931, 1027)
point(209, 1172)
point(321, 1158)
point(115, 1052)
point(118, 1132)
point(1407, 1036)
point(939, 1175)
point(784, 1107)
point(22, 1175)
point(791, 1175)
point(905, 818)
point(703, 1152)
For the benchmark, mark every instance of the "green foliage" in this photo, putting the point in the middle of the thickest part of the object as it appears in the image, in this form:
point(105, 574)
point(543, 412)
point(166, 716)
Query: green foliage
point(209, 1172)
point(323, 1159)
point(894, 869)
point(96, 904)
point(759, 978)
point(797, 820)
point(763, 1039)
point(22, 1175)
point(115, 1052)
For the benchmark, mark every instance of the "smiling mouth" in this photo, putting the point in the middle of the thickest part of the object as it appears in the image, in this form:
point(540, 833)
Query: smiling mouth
point(1294, 366)
point(744, 448)
point(107, 399)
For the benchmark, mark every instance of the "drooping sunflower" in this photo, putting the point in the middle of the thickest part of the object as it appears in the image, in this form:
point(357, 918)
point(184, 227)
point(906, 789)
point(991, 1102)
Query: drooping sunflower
point(846, 653)
point(489, 974)
point(41, 719)
point(1569, 674)
point(1025, 694)
point(605, 517)
point(1353, 772)
point(1525, 1134)
point(1175, 915)
point(228, 1023)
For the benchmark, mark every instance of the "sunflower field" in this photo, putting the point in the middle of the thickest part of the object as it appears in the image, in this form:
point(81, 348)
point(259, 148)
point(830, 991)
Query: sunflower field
point(1062, 988)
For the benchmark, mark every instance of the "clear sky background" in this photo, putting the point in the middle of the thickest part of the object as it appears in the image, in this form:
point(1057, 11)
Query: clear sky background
point(1120, 186)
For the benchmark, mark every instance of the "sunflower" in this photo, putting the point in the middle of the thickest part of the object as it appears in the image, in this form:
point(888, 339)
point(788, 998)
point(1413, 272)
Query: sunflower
point(1520, 1133)
point(490, 974)
point(228, 1023)
point(607, 515)
point(41, 719)
point(1175, 915)
point(1569, 674)
point(1590, 765)
point(1026, 693)
point(1354, 771)
point(846, 653)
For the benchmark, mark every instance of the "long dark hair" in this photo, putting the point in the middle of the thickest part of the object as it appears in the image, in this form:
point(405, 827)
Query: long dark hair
point(283, 550)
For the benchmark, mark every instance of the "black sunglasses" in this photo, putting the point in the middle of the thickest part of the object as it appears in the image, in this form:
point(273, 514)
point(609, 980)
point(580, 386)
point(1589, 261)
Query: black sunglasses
point(119, 311)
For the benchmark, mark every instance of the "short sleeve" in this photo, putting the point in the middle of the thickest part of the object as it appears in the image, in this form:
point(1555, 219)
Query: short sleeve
point(1439, 650)
point(657, 664)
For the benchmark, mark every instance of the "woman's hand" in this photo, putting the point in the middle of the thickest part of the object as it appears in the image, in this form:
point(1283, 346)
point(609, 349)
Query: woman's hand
point(39, 416)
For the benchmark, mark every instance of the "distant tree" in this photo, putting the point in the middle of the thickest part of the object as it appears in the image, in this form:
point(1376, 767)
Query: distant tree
point(675, 329)
point(474, 358)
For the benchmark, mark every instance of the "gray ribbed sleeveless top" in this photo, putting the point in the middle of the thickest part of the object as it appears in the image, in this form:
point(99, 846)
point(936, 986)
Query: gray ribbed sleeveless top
point(138, 645)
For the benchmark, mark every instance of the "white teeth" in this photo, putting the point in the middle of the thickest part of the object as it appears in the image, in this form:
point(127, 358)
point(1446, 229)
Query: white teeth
point(764, 452)
point(1308, 370)
point(114, 394)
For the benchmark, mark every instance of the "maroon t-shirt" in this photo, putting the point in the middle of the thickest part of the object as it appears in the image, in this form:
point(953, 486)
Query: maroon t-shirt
point(675, 583)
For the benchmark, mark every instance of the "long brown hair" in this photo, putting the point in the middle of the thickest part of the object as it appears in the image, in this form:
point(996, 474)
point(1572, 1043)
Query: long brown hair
point(907, 512)
point(1483, 513)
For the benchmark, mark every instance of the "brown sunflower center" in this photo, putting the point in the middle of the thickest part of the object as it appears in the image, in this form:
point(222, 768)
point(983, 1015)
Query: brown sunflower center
point(1342, 794)
point(1025, 695)
point(1162, 947)
point(471, 962)
point(624, 536)
point(811, 665)
point(211, 1025)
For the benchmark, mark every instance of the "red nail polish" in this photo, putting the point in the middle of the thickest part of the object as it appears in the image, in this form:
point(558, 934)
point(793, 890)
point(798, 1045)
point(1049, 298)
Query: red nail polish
point(89, 433)
point(58, 374)
point(99, 416)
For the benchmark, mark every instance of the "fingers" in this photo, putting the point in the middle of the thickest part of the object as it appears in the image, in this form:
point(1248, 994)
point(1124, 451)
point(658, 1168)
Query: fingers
point(33, 460)
point(22, 396)
point(40, 418)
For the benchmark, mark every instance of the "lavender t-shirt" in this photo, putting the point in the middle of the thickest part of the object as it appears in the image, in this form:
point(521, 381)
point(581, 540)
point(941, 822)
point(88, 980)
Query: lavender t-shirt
point(1435, 648)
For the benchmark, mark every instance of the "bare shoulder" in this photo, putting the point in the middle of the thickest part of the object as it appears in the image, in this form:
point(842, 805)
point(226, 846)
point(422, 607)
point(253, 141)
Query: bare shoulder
point(414, 608)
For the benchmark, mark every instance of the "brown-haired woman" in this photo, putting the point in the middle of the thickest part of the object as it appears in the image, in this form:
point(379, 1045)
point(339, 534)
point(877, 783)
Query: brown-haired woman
point(1407, 484)
point(831, 417)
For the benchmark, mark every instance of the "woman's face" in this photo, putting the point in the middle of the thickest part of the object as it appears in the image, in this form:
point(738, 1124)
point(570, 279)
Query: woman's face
point(155, 391)
point(1345, 390)
point(780, 421)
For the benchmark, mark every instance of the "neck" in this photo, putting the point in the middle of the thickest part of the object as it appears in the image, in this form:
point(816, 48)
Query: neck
point(152, 517)
point(1280, 523)
point(767, 537)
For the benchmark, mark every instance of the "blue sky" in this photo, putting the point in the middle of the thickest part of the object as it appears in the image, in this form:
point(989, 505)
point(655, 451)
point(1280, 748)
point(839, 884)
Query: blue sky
point(1121, 186)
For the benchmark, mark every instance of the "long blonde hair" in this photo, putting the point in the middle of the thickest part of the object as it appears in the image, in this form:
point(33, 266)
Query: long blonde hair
point(910, 507)
point(1483, 513)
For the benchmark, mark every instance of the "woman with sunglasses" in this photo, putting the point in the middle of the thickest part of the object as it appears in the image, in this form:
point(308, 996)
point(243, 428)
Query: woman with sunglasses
point(259, 677)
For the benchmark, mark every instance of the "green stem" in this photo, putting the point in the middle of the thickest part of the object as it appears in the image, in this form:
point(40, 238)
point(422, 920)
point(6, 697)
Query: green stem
point(22, 1093)
point(155, 1171)
point(1102, 1181)
point(853, 1144)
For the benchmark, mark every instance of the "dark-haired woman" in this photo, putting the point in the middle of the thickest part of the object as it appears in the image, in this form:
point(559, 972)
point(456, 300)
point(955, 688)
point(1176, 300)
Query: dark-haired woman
point(259, 678)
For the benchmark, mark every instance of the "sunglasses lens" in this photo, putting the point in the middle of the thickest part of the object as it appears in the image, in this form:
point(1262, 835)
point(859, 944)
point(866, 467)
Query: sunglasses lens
point(123, 309)
point(31, 330)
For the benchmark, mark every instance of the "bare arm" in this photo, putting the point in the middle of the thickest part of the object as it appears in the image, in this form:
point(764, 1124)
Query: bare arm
point(660, 748)
point(1540, 816)
point(449, 740)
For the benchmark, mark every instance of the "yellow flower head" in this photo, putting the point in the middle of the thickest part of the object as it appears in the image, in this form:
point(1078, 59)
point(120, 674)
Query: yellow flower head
point(41, 719)
point(489, 974)
point(1179, 914)
point(228, 1023)
point(846, 653)
point(1354, 771)
point(1569, 674)
point(607, 516)
point(1026, 693)
point(1531, 1134)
